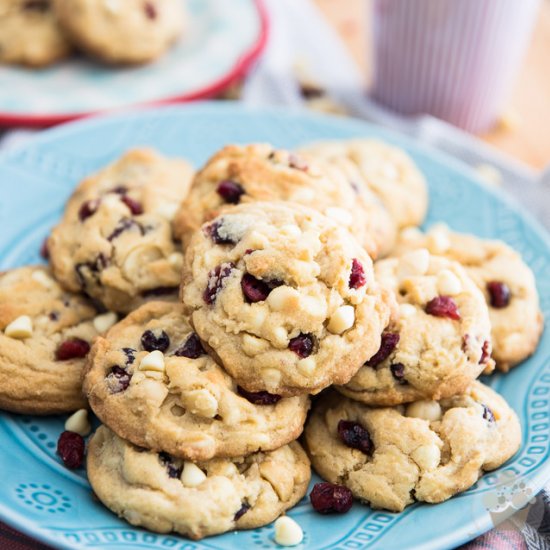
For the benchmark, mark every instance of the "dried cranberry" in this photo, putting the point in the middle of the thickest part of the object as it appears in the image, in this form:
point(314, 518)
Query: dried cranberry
point(119, 190)
point(230, 191)
point(130, 355)
point(150, 10)
point(398, 372)
point(72, 349)
point(488, 414)
point(44, 251)
point(254, 290)
point(242, 511)
point(259, 397)
point(173, 470)
point(354, 435)
point(329, 498)
point(135, 207)
point(192, 349)
point(124, 225)
point(87, 209)
point(485, 353)
point(357, 277)
point(387, 344)
point(215, 282)
point(443, 306)
point(121, 377)
point(298, 163)
point(302, 345)
point(249, 251)
point(499, 294)
point(153, 342)
point(213, 230)
point(70, 447)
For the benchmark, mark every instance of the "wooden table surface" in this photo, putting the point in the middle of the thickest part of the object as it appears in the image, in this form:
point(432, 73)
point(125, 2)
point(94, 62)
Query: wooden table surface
point(524, 128)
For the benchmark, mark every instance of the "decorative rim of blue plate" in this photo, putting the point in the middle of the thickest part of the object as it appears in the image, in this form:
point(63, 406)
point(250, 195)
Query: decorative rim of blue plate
point(58, 158)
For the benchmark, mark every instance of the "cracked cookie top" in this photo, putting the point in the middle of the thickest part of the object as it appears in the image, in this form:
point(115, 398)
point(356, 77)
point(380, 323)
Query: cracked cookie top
point(45, 336)
point(386, 170)
point(115, 242)
point(505, 280)
point(439, 340)
point(258, 172)
point(427, 451)
point(164, 494)
point(152, 382)
point(285, 296)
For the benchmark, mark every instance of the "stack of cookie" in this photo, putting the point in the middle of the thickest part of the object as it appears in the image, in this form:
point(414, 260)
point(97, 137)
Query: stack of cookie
point(37, 33)
point(413, 424)
point(201, 363)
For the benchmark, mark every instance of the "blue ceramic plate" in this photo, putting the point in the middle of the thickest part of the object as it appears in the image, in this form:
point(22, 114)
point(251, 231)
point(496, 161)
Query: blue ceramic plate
point(41, 497)
point(220, 41)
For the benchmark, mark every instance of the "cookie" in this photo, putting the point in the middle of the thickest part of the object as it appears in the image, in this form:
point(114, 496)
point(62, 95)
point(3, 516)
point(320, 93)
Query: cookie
point(30, 33)
point(506, 281)
point(427, 451)
point(188, 406)
point(45, 336)
point(122, 31)
point(252, 173)
point(284, 296)
point(115, 241)
point(438, 343)
point(196, 500)
point(386, 170)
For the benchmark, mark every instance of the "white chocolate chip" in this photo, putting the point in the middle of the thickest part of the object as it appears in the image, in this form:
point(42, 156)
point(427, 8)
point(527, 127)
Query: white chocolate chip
point(438, 240)
point(283, 297)
point(413, 263)
point(192, 475)
point(253, 346)
point(79, 423)
point(154, 374)
point(153, 361)
point(288, 532)
point(20, 328)
point(342, 319)
point(425, 409)
point(316, 307)
point(112, 6)
point(291, 230)
point(448, 283)
point(389, 171)
point(271, 377)
point(175, 260)
point(43, 279)
point(306, 366)
point(406, 310)
point(427, 457)
point(411, 234)
point(257, 317)
point(202, 402)
point(102, 323)
point(167, 210)
point(339, 215)
point(280, 337)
